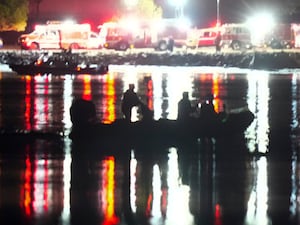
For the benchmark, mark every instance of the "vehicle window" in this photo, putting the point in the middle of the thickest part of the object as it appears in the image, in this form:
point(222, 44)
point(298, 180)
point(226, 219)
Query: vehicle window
point(92, 35)
point(206, 34)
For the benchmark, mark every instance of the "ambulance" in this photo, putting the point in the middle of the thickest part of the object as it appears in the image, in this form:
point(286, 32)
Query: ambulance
point(60, 35)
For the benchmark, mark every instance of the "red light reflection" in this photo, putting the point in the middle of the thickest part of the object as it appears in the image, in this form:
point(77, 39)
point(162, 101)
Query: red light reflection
point(150, 94)
point(27, 102)
point(109, 101)
point(108, 188)
point(216, 93)
point(26, 193)
point(218, 220)
point(87, 87)
point(36, 111)
point(36, 194)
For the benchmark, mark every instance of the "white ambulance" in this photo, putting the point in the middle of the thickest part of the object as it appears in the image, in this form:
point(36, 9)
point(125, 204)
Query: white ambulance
point(59, 35)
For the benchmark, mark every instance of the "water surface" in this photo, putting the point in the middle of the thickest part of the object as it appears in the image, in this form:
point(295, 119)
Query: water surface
point(252, 178)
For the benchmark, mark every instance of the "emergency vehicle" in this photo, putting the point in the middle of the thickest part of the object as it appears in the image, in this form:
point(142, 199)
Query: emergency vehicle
point(283, 36)
point(58, 35)
point(203, 37)
point(296, 29)
point(236, 36)
point(125, 34)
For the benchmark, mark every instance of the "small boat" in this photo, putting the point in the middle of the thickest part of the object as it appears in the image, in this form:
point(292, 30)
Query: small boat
point(166, 131)
point(58, 65)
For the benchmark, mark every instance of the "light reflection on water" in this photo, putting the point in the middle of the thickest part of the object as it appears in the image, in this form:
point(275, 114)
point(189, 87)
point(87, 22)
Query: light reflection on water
point(187, 188)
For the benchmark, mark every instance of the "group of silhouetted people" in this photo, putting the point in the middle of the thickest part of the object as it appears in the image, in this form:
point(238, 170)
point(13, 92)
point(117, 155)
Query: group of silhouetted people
point(130, 100)
point(185, 108)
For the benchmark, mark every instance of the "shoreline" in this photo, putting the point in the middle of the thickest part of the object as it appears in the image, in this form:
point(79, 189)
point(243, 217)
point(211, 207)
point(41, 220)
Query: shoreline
point(259, 60)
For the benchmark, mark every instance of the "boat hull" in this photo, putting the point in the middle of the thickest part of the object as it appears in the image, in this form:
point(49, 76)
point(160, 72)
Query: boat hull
point(163, 131)
point(32, 69)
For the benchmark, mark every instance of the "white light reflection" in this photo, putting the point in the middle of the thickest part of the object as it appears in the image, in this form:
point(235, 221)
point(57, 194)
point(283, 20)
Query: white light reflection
point(133, 165)
point(40, 187)
point(67, 98)
point(258, 103)
point(257, 204)
point(168, 84)
point(65, 215)
point(157, 93)
point(156, 184)
point(294, 199)
point(42, 108)
point(295, 122)
point(178, 195)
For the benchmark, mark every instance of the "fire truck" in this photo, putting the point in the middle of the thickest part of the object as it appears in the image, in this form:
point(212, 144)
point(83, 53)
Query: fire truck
point(236, 36)
point(203, 37)
point(59, 35)
point(283, 36)
point(125, 34)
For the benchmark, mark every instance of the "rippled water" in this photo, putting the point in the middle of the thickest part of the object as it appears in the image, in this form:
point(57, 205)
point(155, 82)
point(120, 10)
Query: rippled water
point(245, 179)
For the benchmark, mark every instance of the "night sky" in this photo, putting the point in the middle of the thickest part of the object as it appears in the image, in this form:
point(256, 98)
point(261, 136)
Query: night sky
point(201, 12)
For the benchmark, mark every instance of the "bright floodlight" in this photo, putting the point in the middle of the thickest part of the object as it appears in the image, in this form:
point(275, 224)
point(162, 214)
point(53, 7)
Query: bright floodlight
point(68, 22)
point(130, 3)
point(178, 2)
point(260, 25)
point(184, 22)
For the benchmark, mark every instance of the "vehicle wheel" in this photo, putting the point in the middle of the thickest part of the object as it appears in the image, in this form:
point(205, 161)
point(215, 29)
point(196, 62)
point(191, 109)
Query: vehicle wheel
point(162, 46)
point(288, 45)
point(275, 44)
point(236, 45)
point(34, 46)
point(123, 46)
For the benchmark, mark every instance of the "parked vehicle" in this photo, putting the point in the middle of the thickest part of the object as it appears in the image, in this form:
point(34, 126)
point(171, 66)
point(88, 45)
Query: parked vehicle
point(157, 34)
point(236, 36)
point(202, 37)
point(296, 29)
point(58, 35)
point(281, 36)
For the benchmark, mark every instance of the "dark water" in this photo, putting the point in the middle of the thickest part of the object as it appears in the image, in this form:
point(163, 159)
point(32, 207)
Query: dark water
point(252, 178)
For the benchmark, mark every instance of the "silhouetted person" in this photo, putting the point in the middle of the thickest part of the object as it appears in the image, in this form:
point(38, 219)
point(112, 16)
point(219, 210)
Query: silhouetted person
point(184, 107)
point(130, 99)
point(170, 44)
point(82, 112)
point(148, 114)
point(218, 42)
point(207, 110)
point(223, 115)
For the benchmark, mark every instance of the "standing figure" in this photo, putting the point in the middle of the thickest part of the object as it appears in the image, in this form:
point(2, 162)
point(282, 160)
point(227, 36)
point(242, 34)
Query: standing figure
point(130, 99)
point(184, 107)
point(218, 42)
point(170, 44)
point(207, 111)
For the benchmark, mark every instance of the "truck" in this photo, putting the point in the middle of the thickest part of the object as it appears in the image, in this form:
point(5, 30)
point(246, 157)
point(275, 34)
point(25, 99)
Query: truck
point(121, 35)
point(59, 35)
point(282, 35)
point(234, 35)
point(203, 37)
